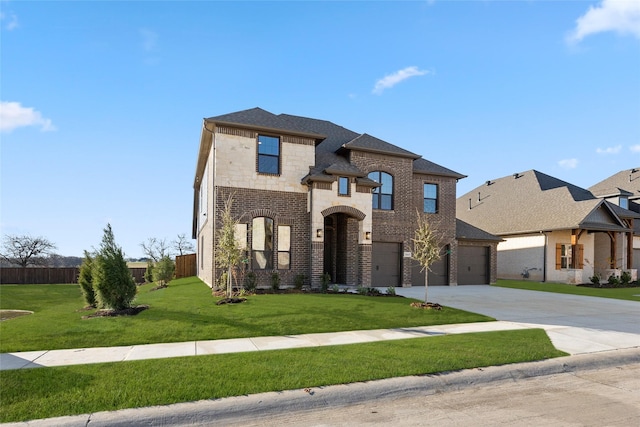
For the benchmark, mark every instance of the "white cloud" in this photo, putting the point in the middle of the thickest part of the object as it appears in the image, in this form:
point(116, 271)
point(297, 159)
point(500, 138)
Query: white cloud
point(149, 39)
point(635, 148)
point(12, 20)
point(568, 163)
point(621, 16)
point(609, 150)
point(13, 116)
point(393, 79)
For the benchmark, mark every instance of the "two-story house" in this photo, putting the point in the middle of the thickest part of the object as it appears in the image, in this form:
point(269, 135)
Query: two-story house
point(313, 197)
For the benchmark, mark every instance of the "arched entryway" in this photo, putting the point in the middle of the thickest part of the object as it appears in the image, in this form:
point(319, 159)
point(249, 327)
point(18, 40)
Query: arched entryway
point(343, 252)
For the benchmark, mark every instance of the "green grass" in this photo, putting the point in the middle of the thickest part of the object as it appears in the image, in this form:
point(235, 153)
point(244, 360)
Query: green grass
point(48, 392)
point(186, 311)
point(631, 294)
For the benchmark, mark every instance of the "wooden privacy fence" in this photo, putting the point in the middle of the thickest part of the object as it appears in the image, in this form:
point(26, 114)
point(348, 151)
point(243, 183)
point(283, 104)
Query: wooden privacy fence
point(186, 266)
point(43, 276)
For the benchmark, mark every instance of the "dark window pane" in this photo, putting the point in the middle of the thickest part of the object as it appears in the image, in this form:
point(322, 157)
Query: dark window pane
point(385, 202)
point(429, 206)
point(267, 164)
point(262, 260)
point(343, 185)
point(387, 183)
point(430, 191)
point(268, 145)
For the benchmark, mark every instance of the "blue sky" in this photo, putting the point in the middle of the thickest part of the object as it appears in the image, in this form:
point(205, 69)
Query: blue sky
point(102, 102)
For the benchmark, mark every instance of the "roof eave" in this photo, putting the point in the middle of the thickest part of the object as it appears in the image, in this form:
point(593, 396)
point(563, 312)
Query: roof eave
point(316, 136)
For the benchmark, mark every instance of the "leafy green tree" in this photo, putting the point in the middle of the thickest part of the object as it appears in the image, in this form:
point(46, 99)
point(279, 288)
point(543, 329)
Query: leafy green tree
point(148, 273)
point(163, 271)
point(85, 280)
point(112, 281)
point(426, 248)
point(227, 251)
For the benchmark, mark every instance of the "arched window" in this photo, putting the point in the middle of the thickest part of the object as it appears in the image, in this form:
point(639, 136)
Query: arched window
point(262, 243)
point(383, 195)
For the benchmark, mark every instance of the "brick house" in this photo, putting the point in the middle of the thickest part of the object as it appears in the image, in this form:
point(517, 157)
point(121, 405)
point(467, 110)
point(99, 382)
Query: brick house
point(313, 197)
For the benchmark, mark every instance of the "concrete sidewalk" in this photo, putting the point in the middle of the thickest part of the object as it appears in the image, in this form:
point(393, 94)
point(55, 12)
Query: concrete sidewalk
point(573, 340)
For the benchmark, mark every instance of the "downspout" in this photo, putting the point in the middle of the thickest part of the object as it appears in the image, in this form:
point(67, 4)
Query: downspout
point(544, 257)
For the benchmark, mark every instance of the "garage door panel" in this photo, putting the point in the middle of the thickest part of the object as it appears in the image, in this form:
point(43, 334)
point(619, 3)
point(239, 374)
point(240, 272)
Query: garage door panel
point(438, 274)
point(473, 265)
point(385, 264)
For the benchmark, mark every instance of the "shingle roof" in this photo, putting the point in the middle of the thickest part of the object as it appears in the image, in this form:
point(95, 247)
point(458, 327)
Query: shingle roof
point(425, 166)
point(623, 183)
point(532, 202)
point(466, 231)
point(332, 141)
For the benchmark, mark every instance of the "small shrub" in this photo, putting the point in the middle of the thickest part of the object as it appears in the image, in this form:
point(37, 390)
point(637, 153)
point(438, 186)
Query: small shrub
point(112, 280)
point(335, 288)
point(361, 290)
point(299, 282)
point(391, 291)
point(625, 278)
point(148, 273)
point(595, 279)
point(324, 282)
point(614, 280)
point(163, 271)
point(275, 281)
point(221, 283)
point(85, 280)
point(250, 282)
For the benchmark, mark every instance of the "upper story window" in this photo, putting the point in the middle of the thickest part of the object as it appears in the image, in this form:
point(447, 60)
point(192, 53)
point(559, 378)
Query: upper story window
point(624, 203)
point(268, 154)
point(383, 195)
point(430, 198)
point(343, 186)
point(262, 243)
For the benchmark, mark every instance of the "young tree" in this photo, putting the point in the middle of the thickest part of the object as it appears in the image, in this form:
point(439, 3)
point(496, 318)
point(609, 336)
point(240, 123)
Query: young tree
point(85, 280)
point(227, 252)
point(182, 245)
point(426, 248)
point(148, 273)
point(163, 271)
point(155, 248)
point(112, 280)
point(25, 250)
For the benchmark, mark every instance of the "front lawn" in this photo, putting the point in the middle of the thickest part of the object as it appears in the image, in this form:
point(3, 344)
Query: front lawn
point(186, 311)
point(631, 294)
point(48, 392)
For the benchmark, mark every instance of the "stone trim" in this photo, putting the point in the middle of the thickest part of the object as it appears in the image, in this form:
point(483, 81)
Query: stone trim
point(322, 185)
point(263, 212)
point(363, 189)
point(236, 132)
point(298, 140)
point(344, 209)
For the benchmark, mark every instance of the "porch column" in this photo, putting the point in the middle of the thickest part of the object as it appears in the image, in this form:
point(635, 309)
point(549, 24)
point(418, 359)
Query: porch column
point(613, 253)
point(317, 263)
point(630, 246)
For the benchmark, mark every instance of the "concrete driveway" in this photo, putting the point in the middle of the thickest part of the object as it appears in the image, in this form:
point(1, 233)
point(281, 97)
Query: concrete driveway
point(575, 324)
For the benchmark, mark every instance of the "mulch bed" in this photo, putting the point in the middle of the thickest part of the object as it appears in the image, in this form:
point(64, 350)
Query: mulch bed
point(608, 286)
point(426, 305)
point(131, 311)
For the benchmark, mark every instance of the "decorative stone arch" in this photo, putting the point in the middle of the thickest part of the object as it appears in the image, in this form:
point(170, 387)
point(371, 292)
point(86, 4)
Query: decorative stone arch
point(262, 212)
point(357, 214)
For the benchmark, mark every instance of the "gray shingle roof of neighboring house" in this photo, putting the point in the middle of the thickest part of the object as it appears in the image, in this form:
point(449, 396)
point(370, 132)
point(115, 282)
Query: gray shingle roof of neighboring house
point(531, 202)
point(623, 183)
point(466, 231)
point(332, 142)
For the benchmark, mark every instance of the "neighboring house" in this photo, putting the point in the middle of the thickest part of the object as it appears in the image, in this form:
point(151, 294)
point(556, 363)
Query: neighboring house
point(552, 230)
point(314, 197)
point(623, 190)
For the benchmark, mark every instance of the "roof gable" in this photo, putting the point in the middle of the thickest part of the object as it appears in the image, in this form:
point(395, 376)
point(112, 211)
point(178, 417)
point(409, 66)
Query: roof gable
point(368, 143)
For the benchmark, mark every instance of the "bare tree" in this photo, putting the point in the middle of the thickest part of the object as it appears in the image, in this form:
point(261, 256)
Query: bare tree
point(428, 243)
point(25, 250)
point(227, 251)
point(155, 248)
point(182, 245)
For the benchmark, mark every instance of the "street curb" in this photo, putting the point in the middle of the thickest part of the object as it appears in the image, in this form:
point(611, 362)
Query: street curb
point(227, 410)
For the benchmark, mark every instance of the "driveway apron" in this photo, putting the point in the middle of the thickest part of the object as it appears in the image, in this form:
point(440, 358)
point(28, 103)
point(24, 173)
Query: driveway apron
point(576, 324)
